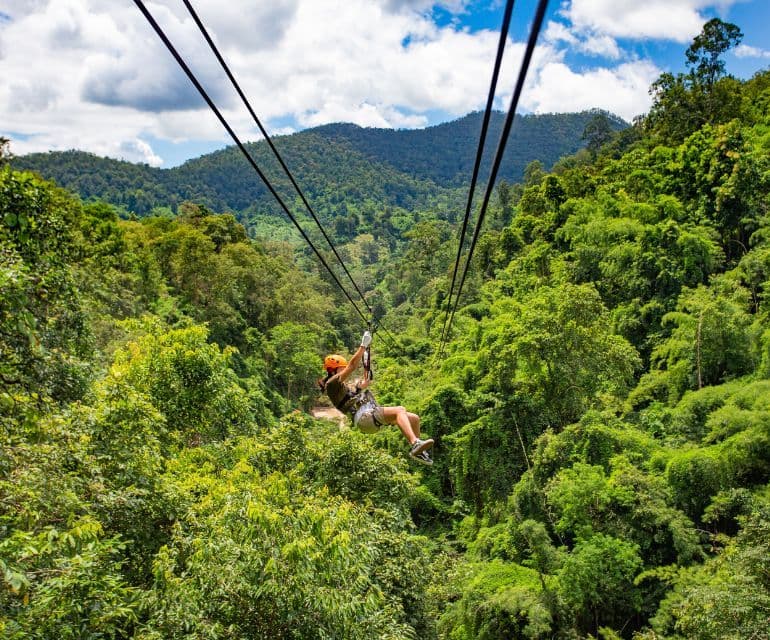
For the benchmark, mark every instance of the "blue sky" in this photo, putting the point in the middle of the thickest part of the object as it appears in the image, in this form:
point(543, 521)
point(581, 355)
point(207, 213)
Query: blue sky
point(752, 16)
point(90, 74)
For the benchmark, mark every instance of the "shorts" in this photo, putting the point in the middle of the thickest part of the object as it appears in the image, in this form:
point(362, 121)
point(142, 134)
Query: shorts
point(369, 418)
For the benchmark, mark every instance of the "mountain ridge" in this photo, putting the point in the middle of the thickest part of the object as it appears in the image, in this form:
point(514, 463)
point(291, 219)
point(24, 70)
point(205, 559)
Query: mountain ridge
point(339, 163)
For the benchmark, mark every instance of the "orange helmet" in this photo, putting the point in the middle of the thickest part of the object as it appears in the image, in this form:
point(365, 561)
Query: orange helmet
point(333, 361)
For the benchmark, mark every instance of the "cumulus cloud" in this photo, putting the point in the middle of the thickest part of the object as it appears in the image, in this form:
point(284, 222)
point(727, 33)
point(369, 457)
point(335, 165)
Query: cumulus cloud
point(16, 8)
point(240, 25)
point(366, 65)
point(118, 82)
point(596, 28)
point(364, 115)
point(557, 32)
point(139, 72)
point(747, 51)
point(590, 43)
point(137, 150)
point(679, 21)
point(602, 46)
point(454, 6)
point(32, 96)
point(123, 144)
point(621, 90)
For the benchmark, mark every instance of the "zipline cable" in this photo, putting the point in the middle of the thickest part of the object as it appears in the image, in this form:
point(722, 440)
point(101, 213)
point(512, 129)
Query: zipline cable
point(280, 159)
point(269, 141)
point(479, 152)
point(533, 34)
point(239, 144)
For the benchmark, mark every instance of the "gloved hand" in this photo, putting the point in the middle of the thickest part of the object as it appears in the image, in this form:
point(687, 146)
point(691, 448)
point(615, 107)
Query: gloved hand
point(366, 339)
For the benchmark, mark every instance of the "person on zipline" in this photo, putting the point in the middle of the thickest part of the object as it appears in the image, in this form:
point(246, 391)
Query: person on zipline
point(359, 403)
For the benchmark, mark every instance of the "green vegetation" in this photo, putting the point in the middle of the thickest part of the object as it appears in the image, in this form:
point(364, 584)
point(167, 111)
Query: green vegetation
point(348, 173)
point(601, 410)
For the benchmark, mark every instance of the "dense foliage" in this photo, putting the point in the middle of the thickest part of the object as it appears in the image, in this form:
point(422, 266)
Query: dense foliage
point(601, 410)
point(144, 367)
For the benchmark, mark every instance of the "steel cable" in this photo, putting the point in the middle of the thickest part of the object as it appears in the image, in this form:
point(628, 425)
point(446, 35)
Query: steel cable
point(533, 35)
point(269, 141)
point(239, 144)
point(479, 152)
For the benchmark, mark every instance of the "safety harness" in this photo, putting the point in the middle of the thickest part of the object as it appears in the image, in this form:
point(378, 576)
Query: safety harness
point(349, 401)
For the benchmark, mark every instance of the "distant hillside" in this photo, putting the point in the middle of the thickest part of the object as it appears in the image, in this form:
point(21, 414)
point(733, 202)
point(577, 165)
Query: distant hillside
point(331, 172)
point(445, 153)
point(338, 166)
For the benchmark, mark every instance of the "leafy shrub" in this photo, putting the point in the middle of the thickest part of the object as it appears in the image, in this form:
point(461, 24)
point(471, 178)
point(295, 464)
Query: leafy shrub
point(728, 596)
point(597, 582)
point(695, 476)
point(189, 380)
point(499, 601)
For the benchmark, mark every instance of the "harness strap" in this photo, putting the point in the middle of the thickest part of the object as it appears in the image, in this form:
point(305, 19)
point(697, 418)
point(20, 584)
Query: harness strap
point(366, 361)
point(355, 401)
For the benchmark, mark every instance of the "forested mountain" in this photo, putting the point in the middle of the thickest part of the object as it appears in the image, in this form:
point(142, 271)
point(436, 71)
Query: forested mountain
point(331, 173)
point(445, 153)
point(601, 407)
point(338, 166)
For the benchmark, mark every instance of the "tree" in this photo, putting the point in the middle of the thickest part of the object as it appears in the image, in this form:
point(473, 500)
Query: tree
point(729, 596)
point(581, 496)
point(557, 347)
point(542, 361)
point(534, 173)
point(189, 380)
point(505, 198)
point(277, 540)
point(426, 254)
point(597, 132)
point(704, 54)
point(44, 337)
point(597, 581)
point(74, 590)
point(499, 601)
point(710, 341)
point(294, 360)
point(223, 230)
point(683, 103)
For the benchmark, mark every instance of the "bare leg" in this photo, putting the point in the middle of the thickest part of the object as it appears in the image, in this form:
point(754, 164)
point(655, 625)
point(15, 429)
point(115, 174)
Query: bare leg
point(414, 420)
point(401, 417)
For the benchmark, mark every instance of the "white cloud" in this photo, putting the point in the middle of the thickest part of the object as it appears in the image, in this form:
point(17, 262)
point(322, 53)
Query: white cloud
point(32, 96)
point(139, 151)
point(454, 6)
point(746, 51)
point(16, 8)
point(557, 32)
point(241, 25)
point(596, 28)
point(678, 20)
point(622, 90)
point(600, 45)
point(364, 115)
point(282, 131)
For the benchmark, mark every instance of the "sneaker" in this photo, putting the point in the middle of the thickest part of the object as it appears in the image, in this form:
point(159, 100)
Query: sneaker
point(419, 446)
point(423, 458)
